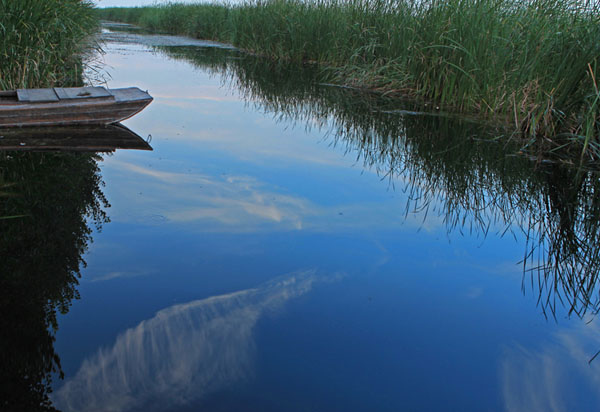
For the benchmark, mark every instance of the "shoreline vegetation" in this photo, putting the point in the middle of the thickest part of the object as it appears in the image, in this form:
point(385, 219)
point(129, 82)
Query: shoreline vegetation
point(43, 42)
point(47, 200)
point(532, 65)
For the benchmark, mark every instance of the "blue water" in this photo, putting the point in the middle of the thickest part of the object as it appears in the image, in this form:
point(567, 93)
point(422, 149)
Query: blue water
point(252, 262)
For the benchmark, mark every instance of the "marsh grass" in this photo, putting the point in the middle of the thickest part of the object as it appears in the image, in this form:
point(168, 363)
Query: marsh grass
point(42, 41)
point(532, 64)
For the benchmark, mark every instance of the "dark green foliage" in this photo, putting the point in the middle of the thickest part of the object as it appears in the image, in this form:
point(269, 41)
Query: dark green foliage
point(42, 42)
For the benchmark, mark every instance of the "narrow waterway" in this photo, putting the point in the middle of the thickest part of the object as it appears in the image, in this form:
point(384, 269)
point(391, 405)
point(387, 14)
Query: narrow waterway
point(293, 246)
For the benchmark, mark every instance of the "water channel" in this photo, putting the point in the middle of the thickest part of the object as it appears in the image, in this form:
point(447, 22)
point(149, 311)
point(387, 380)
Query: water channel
point(291, 245)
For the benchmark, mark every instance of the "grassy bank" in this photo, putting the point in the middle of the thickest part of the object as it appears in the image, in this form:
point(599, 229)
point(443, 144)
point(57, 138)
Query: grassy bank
point(533, 64)
point(42, 41)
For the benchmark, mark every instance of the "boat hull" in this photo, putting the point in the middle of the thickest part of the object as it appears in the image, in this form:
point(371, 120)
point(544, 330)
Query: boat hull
point(122, 104)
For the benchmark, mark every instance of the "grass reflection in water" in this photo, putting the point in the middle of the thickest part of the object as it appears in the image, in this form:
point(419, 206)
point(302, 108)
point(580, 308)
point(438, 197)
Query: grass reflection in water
point(450, 166)
point(60, 195)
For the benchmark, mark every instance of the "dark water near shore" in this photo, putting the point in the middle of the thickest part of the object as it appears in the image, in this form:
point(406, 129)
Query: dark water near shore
point(293, 246)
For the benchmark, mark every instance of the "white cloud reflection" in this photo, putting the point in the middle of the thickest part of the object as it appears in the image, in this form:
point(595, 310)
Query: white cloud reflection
point(119, 275)
point(183, 353)
point(241, 204)
point(556, 376)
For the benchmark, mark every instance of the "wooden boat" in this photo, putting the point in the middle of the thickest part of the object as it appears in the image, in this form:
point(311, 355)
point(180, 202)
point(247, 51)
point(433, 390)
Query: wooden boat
point(78, 138)
point(70, 105)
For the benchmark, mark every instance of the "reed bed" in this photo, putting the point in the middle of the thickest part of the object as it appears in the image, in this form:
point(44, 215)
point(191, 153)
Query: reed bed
point(533, 64)
point(42, 41)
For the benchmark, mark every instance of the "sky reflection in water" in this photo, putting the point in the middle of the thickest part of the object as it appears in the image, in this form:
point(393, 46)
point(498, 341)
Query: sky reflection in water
point(181, 354)
point(173, 302)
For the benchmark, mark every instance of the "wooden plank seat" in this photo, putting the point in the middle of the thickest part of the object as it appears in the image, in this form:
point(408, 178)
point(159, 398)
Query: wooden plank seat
point(62, 93)
point(36, 95)
point(67, 93)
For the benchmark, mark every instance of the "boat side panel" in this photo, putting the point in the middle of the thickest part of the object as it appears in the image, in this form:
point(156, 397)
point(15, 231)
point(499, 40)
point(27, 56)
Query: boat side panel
point(64, 114)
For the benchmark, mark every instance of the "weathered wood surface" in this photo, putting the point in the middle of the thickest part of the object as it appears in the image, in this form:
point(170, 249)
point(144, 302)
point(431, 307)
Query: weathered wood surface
point(37, 95)
point(129, 94)
point(66, 93)
point(61, 93)
point(96, 138)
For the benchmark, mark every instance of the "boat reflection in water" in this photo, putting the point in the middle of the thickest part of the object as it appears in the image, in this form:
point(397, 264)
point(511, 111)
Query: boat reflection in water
point(86, 138)
point(50, 200)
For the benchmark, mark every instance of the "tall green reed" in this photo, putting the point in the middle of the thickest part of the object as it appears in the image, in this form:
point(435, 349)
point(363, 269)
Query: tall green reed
point(529, 63)
point(42, 41)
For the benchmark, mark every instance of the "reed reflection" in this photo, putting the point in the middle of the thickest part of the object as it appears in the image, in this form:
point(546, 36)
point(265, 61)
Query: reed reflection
point(54, 195)
point(51, 199)
point(470, 174)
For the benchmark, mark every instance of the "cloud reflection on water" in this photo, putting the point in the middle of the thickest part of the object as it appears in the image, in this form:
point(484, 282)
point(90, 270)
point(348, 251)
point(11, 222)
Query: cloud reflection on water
point(242, 204)
point(538, 379)
point(181, 354)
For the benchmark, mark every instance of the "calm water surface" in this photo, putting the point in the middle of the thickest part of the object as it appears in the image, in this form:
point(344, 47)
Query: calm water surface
point(292, 246)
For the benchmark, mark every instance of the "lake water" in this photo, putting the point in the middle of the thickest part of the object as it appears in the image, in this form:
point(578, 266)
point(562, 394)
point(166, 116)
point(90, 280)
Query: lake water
point(294, 246)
